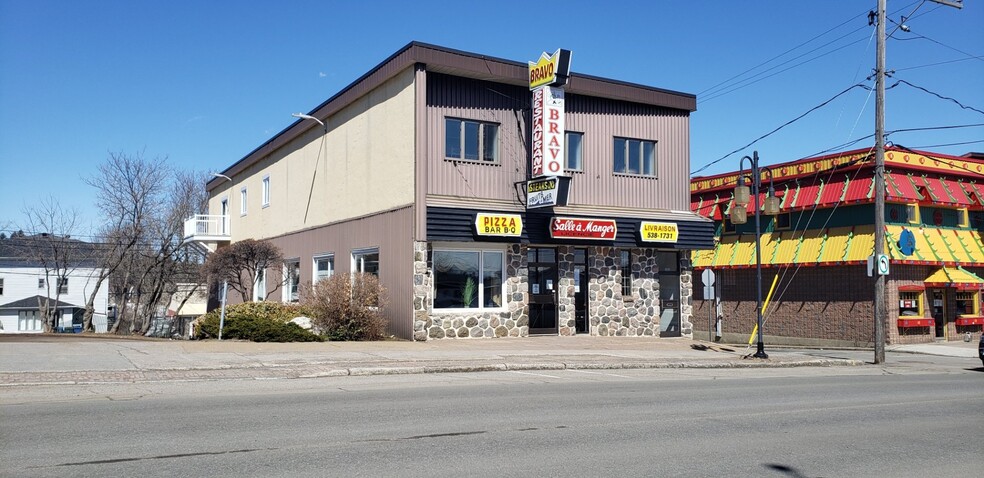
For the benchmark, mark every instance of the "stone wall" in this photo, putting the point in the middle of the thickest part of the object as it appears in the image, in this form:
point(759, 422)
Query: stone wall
point(611, 314)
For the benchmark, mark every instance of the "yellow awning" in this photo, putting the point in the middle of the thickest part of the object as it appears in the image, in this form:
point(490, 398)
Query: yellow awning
point(846, 245)
point(954, 277)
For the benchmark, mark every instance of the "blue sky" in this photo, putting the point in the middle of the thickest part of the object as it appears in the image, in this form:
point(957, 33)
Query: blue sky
point(203, 83)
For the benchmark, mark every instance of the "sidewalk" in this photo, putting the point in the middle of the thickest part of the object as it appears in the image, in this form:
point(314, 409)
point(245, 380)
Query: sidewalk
point(957, 348)
point(92, 359)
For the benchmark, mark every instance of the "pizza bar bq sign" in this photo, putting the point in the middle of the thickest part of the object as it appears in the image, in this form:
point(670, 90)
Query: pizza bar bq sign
point(510, 225)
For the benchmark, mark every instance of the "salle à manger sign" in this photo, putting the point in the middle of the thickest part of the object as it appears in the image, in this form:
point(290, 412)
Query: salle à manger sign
point(575, 228)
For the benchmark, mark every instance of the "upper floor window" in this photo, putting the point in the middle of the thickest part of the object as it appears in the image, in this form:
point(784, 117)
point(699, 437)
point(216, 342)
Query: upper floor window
point(242, 201)
point(471, 140)
point(40, 283)
point(782, 221)
point(572, 151)
point(635, 156)
point(266, 191)
point(63, 285)
point(1, 285)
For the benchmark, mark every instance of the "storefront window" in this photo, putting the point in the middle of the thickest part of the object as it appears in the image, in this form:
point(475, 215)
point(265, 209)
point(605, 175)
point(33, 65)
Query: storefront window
point(967, 303)
point(910, 304)
point(468, 279)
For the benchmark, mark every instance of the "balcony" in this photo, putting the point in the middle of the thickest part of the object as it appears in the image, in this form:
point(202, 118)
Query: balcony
point(207, 228)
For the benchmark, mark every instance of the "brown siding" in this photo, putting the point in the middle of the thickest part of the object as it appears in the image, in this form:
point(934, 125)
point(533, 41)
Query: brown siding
point(390, 231)
point(484, 101)
point(599, 119)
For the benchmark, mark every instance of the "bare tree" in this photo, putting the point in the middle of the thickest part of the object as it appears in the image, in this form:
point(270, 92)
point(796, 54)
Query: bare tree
point(129, 194)
point(241, 263)
point(53, 250)
point(146, 202)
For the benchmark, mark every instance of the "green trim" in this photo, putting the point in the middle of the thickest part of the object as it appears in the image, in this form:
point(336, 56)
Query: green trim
point(930, 244)
point(847, 247)
point(823, 244)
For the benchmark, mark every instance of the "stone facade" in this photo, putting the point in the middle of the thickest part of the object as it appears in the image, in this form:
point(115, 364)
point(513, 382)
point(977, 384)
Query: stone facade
point(609, 313)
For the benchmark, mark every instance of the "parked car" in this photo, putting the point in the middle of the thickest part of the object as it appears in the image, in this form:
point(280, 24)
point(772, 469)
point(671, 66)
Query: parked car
point(980, 349)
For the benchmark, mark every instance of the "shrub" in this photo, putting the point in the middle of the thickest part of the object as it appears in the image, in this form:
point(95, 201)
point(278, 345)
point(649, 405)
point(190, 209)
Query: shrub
point(258, 322)
point(347, 307)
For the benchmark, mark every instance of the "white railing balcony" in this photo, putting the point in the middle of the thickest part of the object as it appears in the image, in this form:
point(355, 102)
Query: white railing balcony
point(207, 228)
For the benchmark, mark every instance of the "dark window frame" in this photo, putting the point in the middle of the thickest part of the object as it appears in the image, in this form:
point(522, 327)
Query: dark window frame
point(626, 145)
point(481, 136)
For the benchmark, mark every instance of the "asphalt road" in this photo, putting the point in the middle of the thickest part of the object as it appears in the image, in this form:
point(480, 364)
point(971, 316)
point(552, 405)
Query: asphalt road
point(920, 416)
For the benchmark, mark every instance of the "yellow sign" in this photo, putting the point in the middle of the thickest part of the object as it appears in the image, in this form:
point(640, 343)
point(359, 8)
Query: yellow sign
point(659, 231)
point(498, 225)
point(550, 70)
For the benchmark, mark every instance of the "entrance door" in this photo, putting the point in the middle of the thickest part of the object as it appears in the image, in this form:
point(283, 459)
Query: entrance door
point(937, 304)
point(669, 294)
point(543, 290)
point(581, 291)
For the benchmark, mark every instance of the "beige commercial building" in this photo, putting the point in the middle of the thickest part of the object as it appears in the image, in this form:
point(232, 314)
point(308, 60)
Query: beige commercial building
point(420, 172)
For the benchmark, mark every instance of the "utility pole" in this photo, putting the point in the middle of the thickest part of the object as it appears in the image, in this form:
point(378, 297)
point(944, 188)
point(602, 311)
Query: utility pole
point(880, 314)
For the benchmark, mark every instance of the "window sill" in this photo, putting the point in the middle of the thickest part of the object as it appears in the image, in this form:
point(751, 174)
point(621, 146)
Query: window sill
point(635, 176)
point(915, 322)
point(969, 320)
point(490, 310)
point(472, 161)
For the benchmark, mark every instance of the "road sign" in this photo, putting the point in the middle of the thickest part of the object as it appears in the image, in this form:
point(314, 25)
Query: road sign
point(882, 264)
point(708, 278)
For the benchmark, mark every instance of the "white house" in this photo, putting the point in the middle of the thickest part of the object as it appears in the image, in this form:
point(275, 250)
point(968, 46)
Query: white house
point(24, 286)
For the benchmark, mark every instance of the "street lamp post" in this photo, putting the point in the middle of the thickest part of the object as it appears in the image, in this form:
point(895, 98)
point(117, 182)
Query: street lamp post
point(739, 215)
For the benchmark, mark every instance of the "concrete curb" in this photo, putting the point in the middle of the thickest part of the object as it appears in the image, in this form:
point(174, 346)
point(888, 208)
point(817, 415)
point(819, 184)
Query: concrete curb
point(326, 370)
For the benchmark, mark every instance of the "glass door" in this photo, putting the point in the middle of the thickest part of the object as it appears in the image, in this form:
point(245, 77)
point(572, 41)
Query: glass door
point(669, 294)
point(938, 306)
point(543, 290)
point(581, 291)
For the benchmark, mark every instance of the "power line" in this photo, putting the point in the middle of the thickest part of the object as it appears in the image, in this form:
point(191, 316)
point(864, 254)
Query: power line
point(712, 88)
point(934, 128)
point(970, 56)
point(757, 78)
point(779, 128)
point(932, 64)
point(950, 144)
point(940, 96)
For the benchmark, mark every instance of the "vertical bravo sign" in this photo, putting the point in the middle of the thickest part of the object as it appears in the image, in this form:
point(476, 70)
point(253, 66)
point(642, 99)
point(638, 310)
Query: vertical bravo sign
point(548, 131)
point(547, 78)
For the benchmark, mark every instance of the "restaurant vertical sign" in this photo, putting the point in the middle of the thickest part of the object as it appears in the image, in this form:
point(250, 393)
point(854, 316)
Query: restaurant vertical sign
point(548, 75)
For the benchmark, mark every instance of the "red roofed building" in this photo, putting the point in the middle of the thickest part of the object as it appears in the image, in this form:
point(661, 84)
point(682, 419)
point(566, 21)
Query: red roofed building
point(817, 249)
